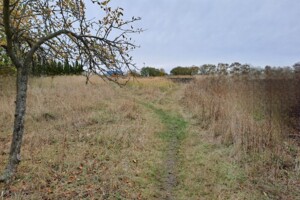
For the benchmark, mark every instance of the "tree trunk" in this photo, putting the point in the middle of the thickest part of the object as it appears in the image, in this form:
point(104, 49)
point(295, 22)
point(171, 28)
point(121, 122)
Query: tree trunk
point(15, 149)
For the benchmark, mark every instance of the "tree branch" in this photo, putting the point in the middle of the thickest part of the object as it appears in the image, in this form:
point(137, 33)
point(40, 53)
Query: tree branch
point(7, 29)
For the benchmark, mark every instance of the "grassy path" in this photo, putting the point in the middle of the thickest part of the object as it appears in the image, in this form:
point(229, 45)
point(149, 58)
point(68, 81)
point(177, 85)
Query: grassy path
point(174, 133)
point(194, 166)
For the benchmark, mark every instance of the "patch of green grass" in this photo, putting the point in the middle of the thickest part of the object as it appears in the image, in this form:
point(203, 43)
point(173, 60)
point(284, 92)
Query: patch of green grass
point(173, 134)
point(208, 172)
point(258, 115)
point(175, 126)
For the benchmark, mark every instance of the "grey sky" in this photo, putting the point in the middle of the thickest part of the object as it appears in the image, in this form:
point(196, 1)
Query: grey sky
point(187, 32)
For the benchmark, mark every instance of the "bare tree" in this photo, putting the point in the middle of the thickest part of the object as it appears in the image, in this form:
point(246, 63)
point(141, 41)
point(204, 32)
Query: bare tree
point(60, 29)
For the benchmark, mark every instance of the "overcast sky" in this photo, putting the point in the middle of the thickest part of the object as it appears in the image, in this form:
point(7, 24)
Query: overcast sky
point(195, 32)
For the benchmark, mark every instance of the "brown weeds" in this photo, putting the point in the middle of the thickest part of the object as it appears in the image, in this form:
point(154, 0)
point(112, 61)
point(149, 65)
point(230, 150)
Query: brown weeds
point(257, 117)
point(81, 141)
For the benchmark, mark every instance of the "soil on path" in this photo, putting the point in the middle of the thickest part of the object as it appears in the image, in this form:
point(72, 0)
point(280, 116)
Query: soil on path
point(169, 179)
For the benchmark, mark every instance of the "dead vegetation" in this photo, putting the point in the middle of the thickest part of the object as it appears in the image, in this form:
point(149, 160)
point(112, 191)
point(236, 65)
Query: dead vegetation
point(81, 141)
point(100, 141)
point(253, 118)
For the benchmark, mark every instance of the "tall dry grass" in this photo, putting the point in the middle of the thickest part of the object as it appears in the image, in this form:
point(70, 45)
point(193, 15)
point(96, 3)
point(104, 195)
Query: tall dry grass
point(81, 141)
point(259, 117)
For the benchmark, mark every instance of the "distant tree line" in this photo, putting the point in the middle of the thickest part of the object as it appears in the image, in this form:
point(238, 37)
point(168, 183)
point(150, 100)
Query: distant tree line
point(235, 68)
point(225, 69)
point(42, 68)
point(53, 67)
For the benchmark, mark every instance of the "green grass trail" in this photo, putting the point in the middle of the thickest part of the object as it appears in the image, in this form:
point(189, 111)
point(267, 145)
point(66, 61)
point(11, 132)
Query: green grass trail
point(173, 134)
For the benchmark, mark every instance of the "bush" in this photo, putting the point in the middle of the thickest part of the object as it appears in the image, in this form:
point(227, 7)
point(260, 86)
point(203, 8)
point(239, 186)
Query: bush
point(185, 71)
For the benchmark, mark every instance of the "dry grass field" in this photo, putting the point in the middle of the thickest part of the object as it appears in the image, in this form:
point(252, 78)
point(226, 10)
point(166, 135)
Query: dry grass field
point(100, 141)
point(257, 123)
point(82, 141)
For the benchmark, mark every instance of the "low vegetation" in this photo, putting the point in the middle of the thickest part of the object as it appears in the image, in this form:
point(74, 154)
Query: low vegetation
point(214, 138)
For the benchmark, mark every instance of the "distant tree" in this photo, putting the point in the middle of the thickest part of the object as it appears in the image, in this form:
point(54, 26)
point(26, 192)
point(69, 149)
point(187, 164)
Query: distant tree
point(162, 72)
point(222, 69)
point(235, 68)
point(207, 69)
point(195, 70)
point(178, 71)
point(268, 70)
point(296, 67)
point(151, 71)
point(67, 67)
point(245, 69)
point(56, 29)
point(185, 70)
point(60, 68)
point(78, 68)
point(145, 71)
